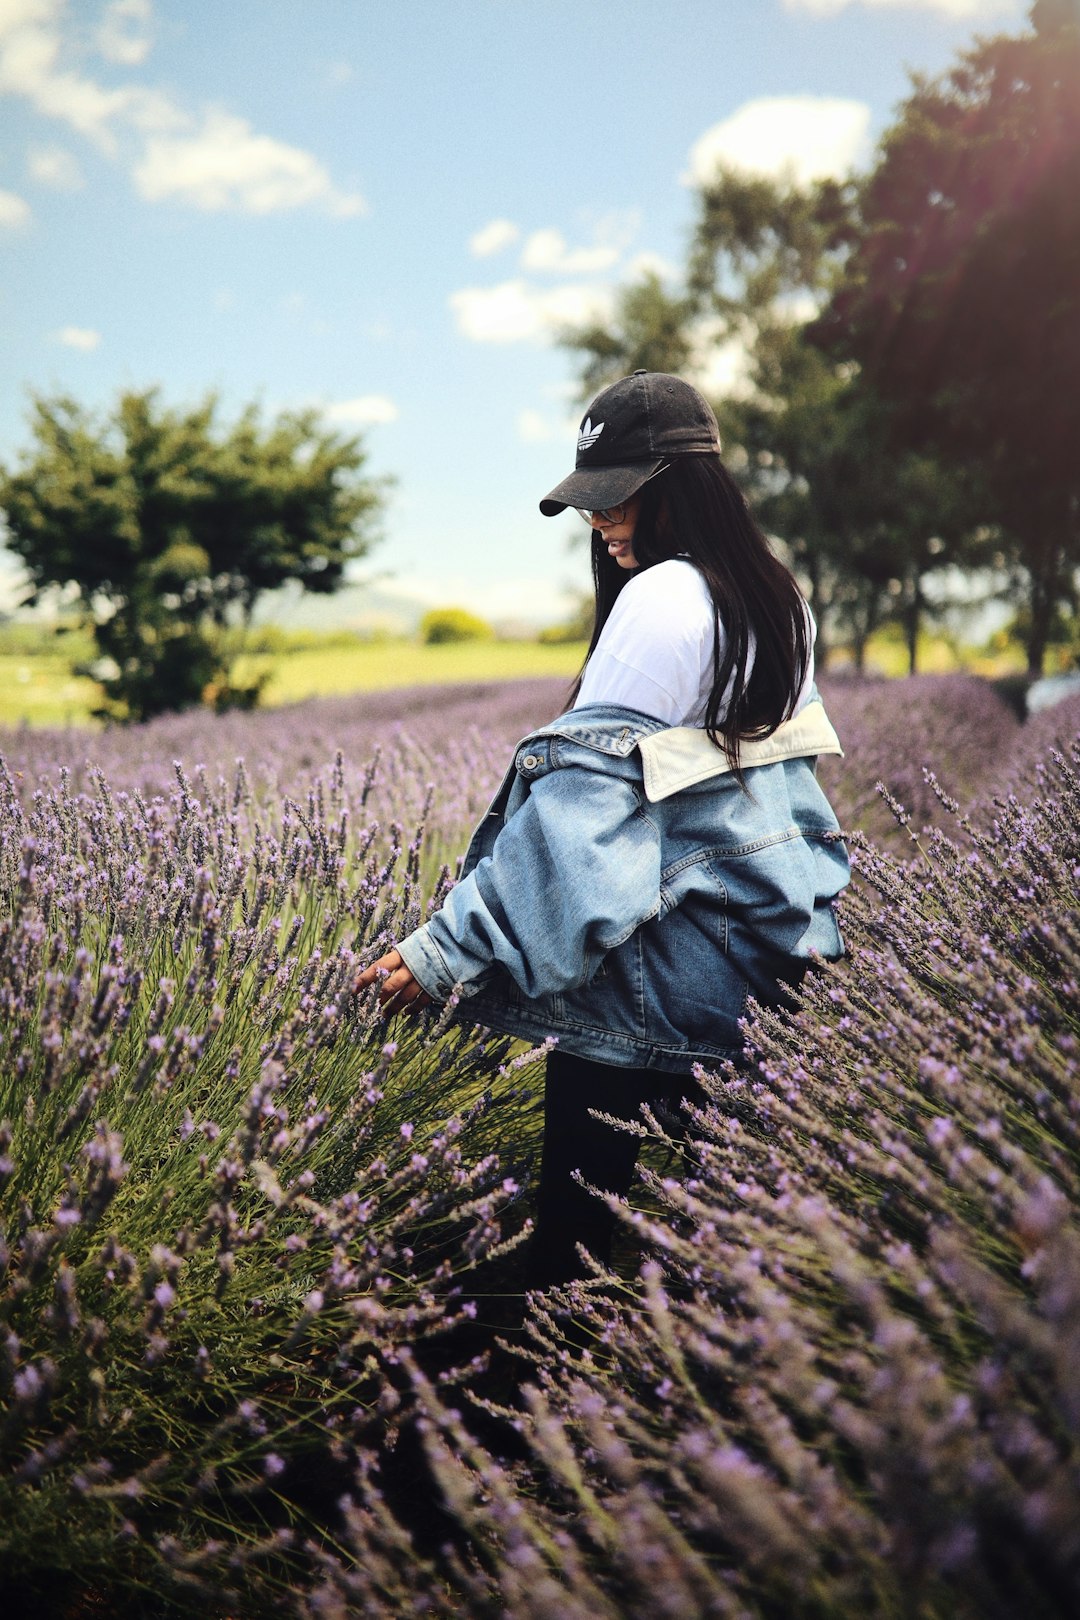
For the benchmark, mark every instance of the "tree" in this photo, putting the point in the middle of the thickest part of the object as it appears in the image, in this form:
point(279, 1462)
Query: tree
point(168, 527)
point(866, 521)
point(650, 330)
point(961, 298)
point(863, 522)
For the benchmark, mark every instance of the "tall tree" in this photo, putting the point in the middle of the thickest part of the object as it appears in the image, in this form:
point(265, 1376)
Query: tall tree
point(866, 522)
point(863, 522)
point(168, 527)
point(961, 299)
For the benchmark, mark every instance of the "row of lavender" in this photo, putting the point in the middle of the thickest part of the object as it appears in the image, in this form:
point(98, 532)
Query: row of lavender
point(244, 1232)
point(458, 737)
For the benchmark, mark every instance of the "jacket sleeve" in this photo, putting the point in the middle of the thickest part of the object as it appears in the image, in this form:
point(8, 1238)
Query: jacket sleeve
point(575, 870)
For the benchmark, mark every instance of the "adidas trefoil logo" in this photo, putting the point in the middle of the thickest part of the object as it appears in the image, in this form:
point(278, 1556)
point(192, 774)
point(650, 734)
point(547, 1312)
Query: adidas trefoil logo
point(589, 434)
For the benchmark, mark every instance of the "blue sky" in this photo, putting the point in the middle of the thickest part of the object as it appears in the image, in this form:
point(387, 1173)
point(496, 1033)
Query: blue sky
point(384, 207)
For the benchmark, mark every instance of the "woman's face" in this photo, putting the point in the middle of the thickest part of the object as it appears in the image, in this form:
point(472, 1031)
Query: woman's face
point(619, 537)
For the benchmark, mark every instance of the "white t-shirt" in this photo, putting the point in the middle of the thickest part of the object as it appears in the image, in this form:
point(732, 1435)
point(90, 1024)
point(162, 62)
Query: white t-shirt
point(655, 654)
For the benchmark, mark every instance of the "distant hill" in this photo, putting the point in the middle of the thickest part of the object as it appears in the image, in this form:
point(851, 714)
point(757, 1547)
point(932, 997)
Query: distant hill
point(365, 608)
point(353, 607)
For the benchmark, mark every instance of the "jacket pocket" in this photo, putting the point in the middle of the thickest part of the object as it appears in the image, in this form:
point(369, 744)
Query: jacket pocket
point(694, 887)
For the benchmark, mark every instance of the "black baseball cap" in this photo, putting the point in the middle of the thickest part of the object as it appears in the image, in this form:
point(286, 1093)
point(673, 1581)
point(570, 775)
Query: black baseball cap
point(626, 435)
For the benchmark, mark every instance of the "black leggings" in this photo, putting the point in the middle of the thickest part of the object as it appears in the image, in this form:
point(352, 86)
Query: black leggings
point(567, 1214)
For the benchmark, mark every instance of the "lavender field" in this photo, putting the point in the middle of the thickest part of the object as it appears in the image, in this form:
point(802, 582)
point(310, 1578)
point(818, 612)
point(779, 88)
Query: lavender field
point(262, 1341)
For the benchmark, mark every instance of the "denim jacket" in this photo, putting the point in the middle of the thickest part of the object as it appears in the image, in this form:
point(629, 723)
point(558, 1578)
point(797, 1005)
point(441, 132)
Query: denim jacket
point(626, 894)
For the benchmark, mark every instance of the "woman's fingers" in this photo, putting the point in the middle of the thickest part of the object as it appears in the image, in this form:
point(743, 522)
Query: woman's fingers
point(398, 986)
point(378, 970)
point(402, 990)
point(398, 989)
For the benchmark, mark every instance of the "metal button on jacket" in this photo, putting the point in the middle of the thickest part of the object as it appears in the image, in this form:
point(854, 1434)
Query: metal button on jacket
point(530, 762)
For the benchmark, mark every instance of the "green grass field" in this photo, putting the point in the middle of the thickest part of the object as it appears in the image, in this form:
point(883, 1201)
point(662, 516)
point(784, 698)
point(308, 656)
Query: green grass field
point(37, 687)
point(367, 666)
point(42, 691)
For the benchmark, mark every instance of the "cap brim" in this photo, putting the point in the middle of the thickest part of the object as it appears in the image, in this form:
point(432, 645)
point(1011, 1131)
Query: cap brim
point(594, 489)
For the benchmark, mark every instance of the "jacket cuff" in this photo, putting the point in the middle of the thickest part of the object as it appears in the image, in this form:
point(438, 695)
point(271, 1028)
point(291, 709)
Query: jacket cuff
point(429, 968)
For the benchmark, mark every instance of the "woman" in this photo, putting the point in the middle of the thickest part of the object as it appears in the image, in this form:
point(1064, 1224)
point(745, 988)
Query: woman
point(661, 851)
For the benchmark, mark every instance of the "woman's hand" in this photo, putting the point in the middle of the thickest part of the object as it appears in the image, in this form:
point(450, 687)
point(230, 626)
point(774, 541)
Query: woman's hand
point(399, 991)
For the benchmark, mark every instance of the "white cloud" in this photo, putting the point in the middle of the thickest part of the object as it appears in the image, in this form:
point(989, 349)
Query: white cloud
point(617, 228)
point(799, 307)
point(362, 411)
point(226, 164)
point(78, 337)
point(30, 49)
point(493, 237)
point(652, 264)
point(212, 161)
point(533, 427)
point(719, 364)
point(123, 34)
point(804, 138)
point(20, 13)
point(722, 372)
point(721, 361)
point(14, 211)
point(949, 8)
point(54, 166)
point(514, 312)
point(547, 250)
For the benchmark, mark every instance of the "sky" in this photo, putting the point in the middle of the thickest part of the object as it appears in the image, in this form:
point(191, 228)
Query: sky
point(386, 208)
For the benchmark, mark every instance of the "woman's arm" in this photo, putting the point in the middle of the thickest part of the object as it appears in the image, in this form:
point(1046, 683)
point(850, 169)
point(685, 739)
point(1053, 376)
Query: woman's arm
point(571, 875)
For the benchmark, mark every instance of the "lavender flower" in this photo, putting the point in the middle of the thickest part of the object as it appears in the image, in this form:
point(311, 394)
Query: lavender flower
point(845, 1378)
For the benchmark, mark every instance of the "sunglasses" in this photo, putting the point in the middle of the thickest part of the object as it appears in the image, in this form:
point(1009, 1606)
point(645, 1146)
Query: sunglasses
point(615, 514)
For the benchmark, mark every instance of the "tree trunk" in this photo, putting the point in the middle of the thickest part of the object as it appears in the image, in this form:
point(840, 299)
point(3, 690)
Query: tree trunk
point(1036, 649)
point(912, 623)
point(865, 619)
point(822, 650)
point(822, 646)
point(1045, 588)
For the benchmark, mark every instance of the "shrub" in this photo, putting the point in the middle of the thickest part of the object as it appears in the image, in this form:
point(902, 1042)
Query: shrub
point(441, 625)
point(228, 1201)
point(850, 1379)
point(892, 729)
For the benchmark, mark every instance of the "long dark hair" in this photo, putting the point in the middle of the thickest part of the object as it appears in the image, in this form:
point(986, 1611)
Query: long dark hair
point(695, 509)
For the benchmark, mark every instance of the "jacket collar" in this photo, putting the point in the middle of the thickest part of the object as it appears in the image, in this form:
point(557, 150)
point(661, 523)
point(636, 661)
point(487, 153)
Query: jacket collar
point(676, 757)
point(680, 756)
point(604, 726)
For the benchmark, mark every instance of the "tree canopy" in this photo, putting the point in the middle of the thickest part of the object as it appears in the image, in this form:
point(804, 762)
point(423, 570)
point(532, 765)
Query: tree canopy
point(961, 298)
point(167, 527)
point(862, 521)
point(906, 395)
